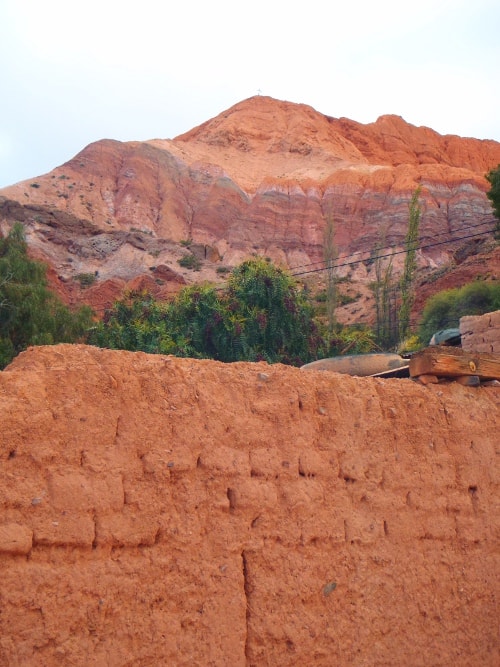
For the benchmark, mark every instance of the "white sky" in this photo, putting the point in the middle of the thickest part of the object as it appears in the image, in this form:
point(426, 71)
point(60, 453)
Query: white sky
point(75, 72)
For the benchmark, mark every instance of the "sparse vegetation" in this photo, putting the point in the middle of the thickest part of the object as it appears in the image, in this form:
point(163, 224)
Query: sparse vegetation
point(345, 299)
point(342, 299)
point(86, 279)
point(436, 274)
point(190, 262)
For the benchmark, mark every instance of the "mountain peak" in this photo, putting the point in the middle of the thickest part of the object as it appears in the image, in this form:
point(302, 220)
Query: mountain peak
point(263, 124)
point(259, 178)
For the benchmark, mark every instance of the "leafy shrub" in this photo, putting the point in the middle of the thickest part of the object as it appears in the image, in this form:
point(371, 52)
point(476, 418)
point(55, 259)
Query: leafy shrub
point(137, 322)
point(321, 296)
point(278, 318)
point(263, 315)
point(86, 279)
point(190, 262)
point(409, 345)
point(444, 309)
point(345, 299)
point(357, 339)
point(342, 299)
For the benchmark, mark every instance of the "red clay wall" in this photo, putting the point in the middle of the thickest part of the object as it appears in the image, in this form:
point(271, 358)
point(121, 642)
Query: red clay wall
point(161, 511)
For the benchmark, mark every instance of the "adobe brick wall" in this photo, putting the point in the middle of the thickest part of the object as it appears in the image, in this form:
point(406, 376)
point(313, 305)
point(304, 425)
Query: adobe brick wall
point(481, 333)
point(162, 511)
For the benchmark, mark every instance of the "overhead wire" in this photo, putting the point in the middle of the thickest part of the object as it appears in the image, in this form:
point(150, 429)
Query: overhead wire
point(393, 253)
point(395, 290)
point(389, 246)
point(390, 254)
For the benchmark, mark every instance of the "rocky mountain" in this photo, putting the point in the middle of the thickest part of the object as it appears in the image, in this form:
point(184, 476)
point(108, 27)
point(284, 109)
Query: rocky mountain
point(262, 178)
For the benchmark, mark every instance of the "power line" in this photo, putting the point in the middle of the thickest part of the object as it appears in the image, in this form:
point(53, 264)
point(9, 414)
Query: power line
point(387, 247)
point(389, 254)
point(394, 253)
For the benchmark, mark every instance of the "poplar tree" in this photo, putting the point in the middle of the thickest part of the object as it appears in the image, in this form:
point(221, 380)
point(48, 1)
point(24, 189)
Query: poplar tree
point(383, 290)
point(493, 177)
point(330, 255)
point(407, 281)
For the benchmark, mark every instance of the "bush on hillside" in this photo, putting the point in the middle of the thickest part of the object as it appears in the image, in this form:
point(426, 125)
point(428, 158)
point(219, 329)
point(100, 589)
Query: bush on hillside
point(262, 315)
point(444, 309)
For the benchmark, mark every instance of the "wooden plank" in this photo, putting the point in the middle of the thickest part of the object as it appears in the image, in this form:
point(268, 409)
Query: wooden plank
point(454, 362)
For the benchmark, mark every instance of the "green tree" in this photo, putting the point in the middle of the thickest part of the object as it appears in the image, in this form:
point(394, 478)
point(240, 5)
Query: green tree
point(444, 309)
point(407, 281)
point(384, 293)
point(262, 315)
point(137, 322)
point(30, 314)
point(276, 317)
point(493, 195)
point(202, 326)
point(330, 254)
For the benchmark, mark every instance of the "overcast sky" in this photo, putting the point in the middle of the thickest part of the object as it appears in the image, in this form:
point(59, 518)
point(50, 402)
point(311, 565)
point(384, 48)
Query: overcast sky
point(75, 72)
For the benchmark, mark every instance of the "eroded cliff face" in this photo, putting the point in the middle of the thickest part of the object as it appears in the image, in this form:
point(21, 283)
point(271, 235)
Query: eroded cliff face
point(170, 511)
point(261, 178)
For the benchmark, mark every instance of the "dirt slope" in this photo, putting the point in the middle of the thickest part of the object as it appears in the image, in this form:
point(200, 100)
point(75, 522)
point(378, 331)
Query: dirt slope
point(162, 511)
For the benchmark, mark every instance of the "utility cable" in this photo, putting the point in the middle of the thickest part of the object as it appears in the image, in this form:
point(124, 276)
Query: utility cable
point(392, 254)
point(387, 247)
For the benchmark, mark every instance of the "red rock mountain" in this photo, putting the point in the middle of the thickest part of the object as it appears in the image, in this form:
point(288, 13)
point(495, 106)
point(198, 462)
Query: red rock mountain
point(261, 178)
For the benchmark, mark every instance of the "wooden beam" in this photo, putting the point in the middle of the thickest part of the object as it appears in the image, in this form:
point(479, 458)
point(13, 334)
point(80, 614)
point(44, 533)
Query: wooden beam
point(454, 362)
